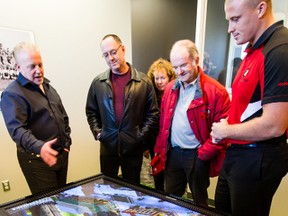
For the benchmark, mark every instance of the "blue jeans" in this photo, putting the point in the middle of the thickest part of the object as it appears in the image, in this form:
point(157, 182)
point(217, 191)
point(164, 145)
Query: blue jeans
point(249, 178)
point(183, 166)
point(39, 176)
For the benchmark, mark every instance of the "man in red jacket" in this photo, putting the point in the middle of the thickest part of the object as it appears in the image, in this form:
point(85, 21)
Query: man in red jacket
point(190, 105)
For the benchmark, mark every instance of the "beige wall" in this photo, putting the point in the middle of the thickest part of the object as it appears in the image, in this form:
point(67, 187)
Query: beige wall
point(68, 33)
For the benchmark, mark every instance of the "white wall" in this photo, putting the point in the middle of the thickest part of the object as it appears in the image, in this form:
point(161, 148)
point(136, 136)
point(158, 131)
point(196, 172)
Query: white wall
point(68, 33)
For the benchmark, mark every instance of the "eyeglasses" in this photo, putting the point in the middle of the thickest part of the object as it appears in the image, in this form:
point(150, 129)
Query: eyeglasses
point(112, 52)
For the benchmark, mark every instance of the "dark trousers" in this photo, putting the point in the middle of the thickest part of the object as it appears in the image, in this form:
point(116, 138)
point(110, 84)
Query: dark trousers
point(130, 166)
point(39, 176)
point(159, 181)
point(249, 178)
point(182, 167)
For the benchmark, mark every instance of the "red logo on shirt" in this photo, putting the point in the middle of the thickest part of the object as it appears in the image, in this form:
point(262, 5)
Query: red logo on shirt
point(283, 84)
point(243, 78)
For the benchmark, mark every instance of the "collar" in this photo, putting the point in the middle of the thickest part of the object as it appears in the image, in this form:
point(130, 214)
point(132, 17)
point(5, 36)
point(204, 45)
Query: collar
point(266, 35)
point(23, 81)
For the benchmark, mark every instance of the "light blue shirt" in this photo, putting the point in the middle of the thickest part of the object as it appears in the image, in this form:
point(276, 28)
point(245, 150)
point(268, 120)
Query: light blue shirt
point(181, 132)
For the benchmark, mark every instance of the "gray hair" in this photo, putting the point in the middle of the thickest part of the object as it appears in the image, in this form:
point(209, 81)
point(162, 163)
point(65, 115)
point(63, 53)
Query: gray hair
point(189, 46)
point(24, 46)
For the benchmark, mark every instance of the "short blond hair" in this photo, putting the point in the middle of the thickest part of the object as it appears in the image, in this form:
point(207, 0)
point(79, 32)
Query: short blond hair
point(161, 64)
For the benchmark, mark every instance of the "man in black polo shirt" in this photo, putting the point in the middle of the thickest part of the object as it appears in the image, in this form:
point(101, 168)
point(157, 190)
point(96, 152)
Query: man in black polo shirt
point(256, 127)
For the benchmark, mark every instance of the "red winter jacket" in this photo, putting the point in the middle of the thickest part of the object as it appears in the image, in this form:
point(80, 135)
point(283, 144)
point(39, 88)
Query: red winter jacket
point(211, 103)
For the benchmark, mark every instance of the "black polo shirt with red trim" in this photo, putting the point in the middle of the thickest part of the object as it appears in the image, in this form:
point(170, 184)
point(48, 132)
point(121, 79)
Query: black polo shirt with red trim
point(262, 77)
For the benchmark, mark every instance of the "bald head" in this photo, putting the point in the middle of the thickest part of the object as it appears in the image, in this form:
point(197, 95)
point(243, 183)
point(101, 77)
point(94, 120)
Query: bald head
point(185, 58)
point(188, 45)
point(253, 3)
point(248, 19)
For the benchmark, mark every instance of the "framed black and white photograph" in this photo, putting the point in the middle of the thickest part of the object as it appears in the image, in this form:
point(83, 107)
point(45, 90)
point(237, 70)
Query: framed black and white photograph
point(9, 38)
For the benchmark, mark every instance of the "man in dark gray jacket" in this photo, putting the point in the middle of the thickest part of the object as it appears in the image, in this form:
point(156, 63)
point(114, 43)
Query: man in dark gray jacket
point(122, 112)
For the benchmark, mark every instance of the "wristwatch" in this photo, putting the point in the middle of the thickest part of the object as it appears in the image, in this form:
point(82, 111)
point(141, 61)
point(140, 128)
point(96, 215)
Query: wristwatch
point(98, 136)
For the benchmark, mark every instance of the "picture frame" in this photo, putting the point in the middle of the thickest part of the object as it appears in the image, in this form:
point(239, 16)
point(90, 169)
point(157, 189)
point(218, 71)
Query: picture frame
point(9, 38)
